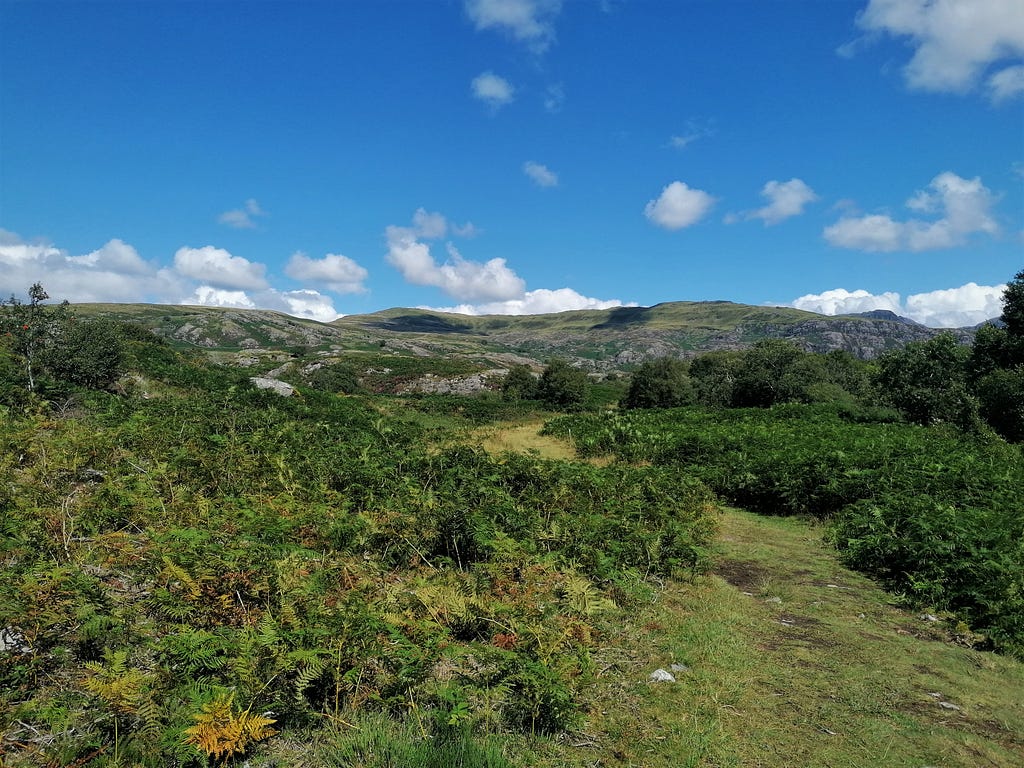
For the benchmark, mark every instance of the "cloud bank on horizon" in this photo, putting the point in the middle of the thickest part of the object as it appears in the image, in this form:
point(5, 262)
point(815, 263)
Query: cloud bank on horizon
point(208, 276)
point(966, 50)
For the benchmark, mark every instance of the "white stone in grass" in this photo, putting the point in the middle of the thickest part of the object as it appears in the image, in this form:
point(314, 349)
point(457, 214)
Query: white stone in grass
point(661, 676)
point(11, 640)
point(282, 388)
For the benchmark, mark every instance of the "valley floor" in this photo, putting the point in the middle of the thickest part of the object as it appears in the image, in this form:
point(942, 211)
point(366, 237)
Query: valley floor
point(786, 658)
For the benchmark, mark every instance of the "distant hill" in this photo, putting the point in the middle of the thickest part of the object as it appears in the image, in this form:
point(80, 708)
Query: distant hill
point(601, 340)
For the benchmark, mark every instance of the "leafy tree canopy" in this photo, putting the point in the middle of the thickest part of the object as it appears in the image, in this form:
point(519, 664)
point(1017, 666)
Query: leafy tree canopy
point(563, 386)
point(1013, 306)
point(519, 383)
point(661, 383)
point(927, 381)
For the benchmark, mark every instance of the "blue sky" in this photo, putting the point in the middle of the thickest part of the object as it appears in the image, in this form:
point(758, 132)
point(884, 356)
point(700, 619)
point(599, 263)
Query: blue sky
point(517, 156)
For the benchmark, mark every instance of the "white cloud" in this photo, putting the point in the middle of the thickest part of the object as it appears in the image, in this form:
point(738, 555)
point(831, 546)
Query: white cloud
point(208, 296)
point(219, 268)
point(493, 90)
point(113, 273)
point(967, 305)
point(310, 304)
point(541, 174)
point(115, 256)
point(303, 303)
point(840, 301)
point(866, 233)
point(528, 21)
point(540, 301)
point(964, 207)
point(694, 130)
point(554, 98)
point(458, 277)
point(243, 218)
point(17, 255)
point(1006, 84)
point(954, 41)
point(467, 230)
point(682, 141)
point(429, 225)
point(785, 200)
point(678, 206)
point(116, 273)
point(338, 273)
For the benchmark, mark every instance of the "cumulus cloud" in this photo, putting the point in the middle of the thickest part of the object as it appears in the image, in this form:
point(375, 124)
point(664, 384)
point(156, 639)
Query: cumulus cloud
point(967, 305)
point(116, 273)
point(678, 206)
point(484, 288)
point(955, 41)
point(963, 207)
point(338, 273)
point(429, 225)
point(208, 296)
point(542, 176)
point(527, 21)
point(458, 277)
point(540, 301)
point(840, 301)
point(113, 273)
point(492, 90)
point(219, 268)
point(243, 218)
point(785, 200)
point(303, 303)
point(115, 256)
point(1006, 84)
point(306, 303)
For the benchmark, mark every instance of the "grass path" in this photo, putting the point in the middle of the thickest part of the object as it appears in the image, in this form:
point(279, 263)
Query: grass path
point(791, 660)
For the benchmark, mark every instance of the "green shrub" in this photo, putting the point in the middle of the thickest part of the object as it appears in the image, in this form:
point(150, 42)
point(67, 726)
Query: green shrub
point(935, 514)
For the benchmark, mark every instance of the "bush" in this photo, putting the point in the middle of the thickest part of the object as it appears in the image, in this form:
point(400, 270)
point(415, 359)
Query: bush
point(927, 381)
point(337, 378)
point(935, 514)
point(563, 386)
point(519, 383)
point(89, 354)
point(661, 383)
point(1001, 397)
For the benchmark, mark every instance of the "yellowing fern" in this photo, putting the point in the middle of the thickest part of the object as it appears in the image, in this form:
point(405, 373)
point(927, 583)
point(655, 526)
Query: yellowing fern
point(115, 682)
point(220, 732)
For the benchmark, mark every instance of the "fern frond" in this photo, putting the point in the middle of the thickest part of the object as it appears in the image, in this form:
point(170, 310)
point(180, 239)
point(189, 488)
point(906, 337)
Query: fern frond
point(220, 732)
point(267, 634)
point(583, 598)
point(174, 572)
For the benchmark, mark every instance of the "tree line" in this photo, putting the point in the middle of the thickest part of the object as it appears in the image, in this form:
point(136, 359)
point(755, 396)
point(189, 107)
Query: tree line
point(928, 382)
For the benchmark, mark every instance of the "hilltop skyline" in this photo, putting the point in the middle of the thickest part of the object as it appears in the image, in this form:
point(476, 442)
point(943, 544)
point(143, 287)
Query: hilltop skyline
point(515, 156)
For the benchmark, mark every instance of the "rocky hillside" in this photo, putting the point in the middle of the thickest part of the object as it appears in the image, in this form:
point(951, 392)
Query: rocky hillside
point(601, 340)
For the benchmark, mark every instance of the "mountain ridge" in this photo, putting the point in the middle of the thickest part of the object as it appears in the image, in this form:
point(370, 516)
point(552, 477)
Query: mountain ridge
point(597, 339)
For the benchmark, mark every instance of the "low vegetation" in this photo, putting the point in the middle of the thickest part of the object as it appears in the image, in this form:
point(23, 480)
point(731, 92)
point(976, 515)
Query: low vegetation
point(187, 574)
point(198, 572)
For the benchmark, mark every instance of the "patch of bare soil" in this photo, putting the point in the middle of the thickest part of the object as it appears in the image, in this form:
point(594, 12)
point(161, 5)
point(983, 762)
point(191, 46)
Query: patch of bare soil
point(744, 576)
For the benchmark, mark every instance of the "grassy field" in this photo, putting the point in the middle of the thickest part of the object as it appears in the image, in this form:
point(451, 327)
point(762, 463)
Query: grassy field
point(791, 659)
